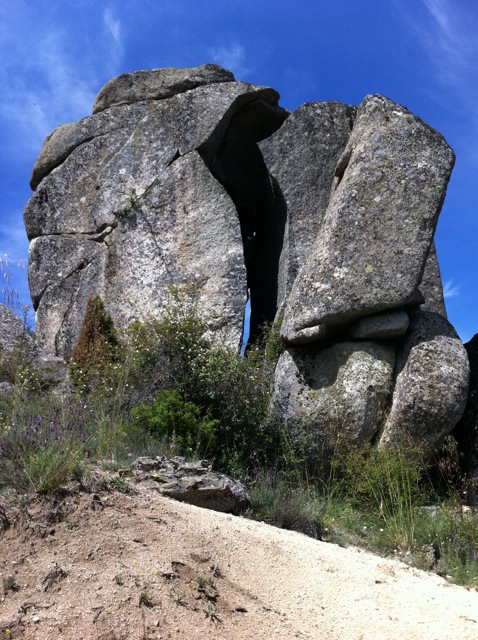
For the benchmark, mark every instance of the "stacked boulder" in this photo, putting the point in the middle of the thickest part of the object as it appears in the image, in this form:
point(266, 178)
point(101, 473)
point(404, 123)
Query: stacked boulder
point(368, 357)
point(325, 217)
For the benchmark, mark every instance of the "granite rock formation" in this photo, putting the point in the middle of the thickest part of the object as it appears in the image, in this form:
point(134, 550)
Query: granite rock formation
point(324, 217)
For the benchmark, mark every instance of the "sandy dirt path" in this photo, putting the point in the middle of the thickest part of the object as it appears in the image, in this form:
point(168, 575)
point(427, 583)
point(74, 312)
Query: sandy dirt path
point(112, 566)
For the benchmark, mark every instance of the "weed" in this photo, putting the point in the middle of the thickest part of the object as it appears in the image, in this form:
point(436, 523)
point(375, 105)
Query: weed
point(286, 505)
point(179, 597)
point(216, 570)
point(118, 484)
point(119, 579)
point(204, 581)
point(211, 613)
point(145, 600)
point(10, 584)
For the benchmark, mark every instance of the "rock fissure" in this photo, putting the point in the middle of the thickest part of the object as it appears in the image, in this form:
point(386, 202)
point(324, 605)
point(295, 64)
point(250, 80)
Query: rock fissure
point(239, 167)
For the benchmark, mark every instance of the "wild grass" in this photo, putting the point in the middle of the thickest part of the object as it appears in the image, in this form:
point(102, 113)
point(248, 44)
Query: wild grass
point(163, 387)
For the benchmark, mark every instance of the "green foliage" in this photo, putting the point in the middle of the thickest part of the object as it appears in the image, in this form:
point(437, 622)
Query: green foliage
point(51, 468)
point(96, 349)
point(10, 584)
point(386, 485)
point(42, 451)
point(285, 505)
point(178, 421)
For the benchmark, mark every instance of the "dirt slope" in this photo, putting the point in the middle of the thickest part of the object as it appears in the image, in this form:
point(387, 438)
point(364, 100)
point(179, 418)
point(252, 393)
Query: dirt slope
point(82, 566)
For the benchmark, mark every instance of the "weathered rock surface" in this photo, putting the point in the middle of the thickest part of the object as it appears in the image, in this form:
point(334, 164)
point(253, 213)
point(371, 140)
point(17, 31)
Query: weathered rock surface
point(132, 208)
point(192, 482)
point(333, 395)
point(13, 335)
point(466, 431)
point(157, 84)
point(432, 375)
point(301, 158)
point(391, 324)
point(326, 216)
point(379, 224)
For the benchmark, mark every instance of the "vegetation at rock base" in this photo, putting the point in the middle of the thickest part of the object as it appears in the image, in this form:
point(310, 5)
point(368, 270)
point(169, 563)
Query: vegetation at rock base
point(165, 387)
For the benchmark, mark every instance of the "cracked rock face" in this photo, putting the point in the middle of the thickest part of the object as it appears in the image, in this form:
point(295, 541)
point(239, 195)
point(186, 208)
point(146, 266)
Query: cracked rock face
point(126, 205)
point(324, 217)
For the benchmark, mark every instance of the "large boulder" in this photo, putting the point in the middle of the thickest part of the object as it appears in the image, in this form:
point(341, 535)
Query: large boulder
point(333, 396)
point(431, 387)
point(376, 234)
point(126, 206)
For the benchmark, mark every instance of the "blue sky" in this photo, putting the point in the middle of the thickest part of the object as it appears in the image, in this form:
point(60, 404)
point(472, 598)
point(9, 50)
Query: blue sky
point(55, 56)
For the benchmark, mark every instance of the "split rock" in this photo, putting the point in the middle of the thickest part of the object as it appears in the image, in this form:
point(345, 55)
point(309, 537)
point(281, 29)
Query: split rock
point(379, 225)
point(301, 158)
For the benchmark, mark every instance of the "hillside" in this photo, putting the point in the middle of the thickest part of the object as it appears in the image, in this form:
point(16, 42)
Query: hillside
point(112, 566)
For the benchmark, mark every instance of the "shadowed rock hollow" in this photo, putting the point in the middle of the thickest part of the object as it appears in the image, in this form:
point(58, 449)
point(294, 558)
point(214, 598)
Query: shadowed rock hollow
point(324, 216)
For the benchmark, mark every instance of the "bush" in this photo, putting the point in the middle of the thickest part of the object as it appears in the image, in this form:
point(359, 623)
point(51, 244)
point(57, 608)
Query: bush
point(43, 450)
point(288, 506)
point(178, 421)
point(385, 485)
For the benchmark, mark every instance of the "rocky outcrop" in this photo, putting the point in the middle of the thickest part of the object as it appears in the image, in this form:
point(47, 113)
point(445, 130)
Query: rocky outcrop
point(192, 482)
point(13, 335)
point(324, 217)
point(374, 241)
point(127, 206)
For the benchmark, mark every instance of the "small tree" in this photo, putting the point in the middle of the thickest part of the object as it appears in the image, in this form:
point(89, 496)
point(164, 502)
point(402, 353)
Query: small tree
point(97, 346)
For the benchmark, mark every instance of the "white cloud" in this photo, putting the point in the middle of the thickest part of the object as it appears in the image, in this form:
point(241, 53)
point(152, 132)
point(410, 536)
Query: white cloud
point(449, 42)
point(113, 25)
point(232, 57)
point(450, 290)
point(45, 82)
point(45, 91)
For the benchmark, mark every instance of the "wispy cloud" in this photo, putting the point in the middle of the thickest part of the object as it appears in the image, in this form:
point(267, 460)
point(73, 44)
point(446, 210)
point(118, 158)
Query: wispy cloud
point(446, 31)
point(450, 290)
point(47, 92)
point(113, 25)
point(450, 40)
point(231, 56)
point(45, 82)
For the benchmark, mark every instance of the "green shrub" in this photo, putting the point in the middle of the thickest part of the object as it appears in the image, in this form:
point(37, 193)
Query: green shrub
point(177, 420)
point(41, 450)
point(288, 506)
